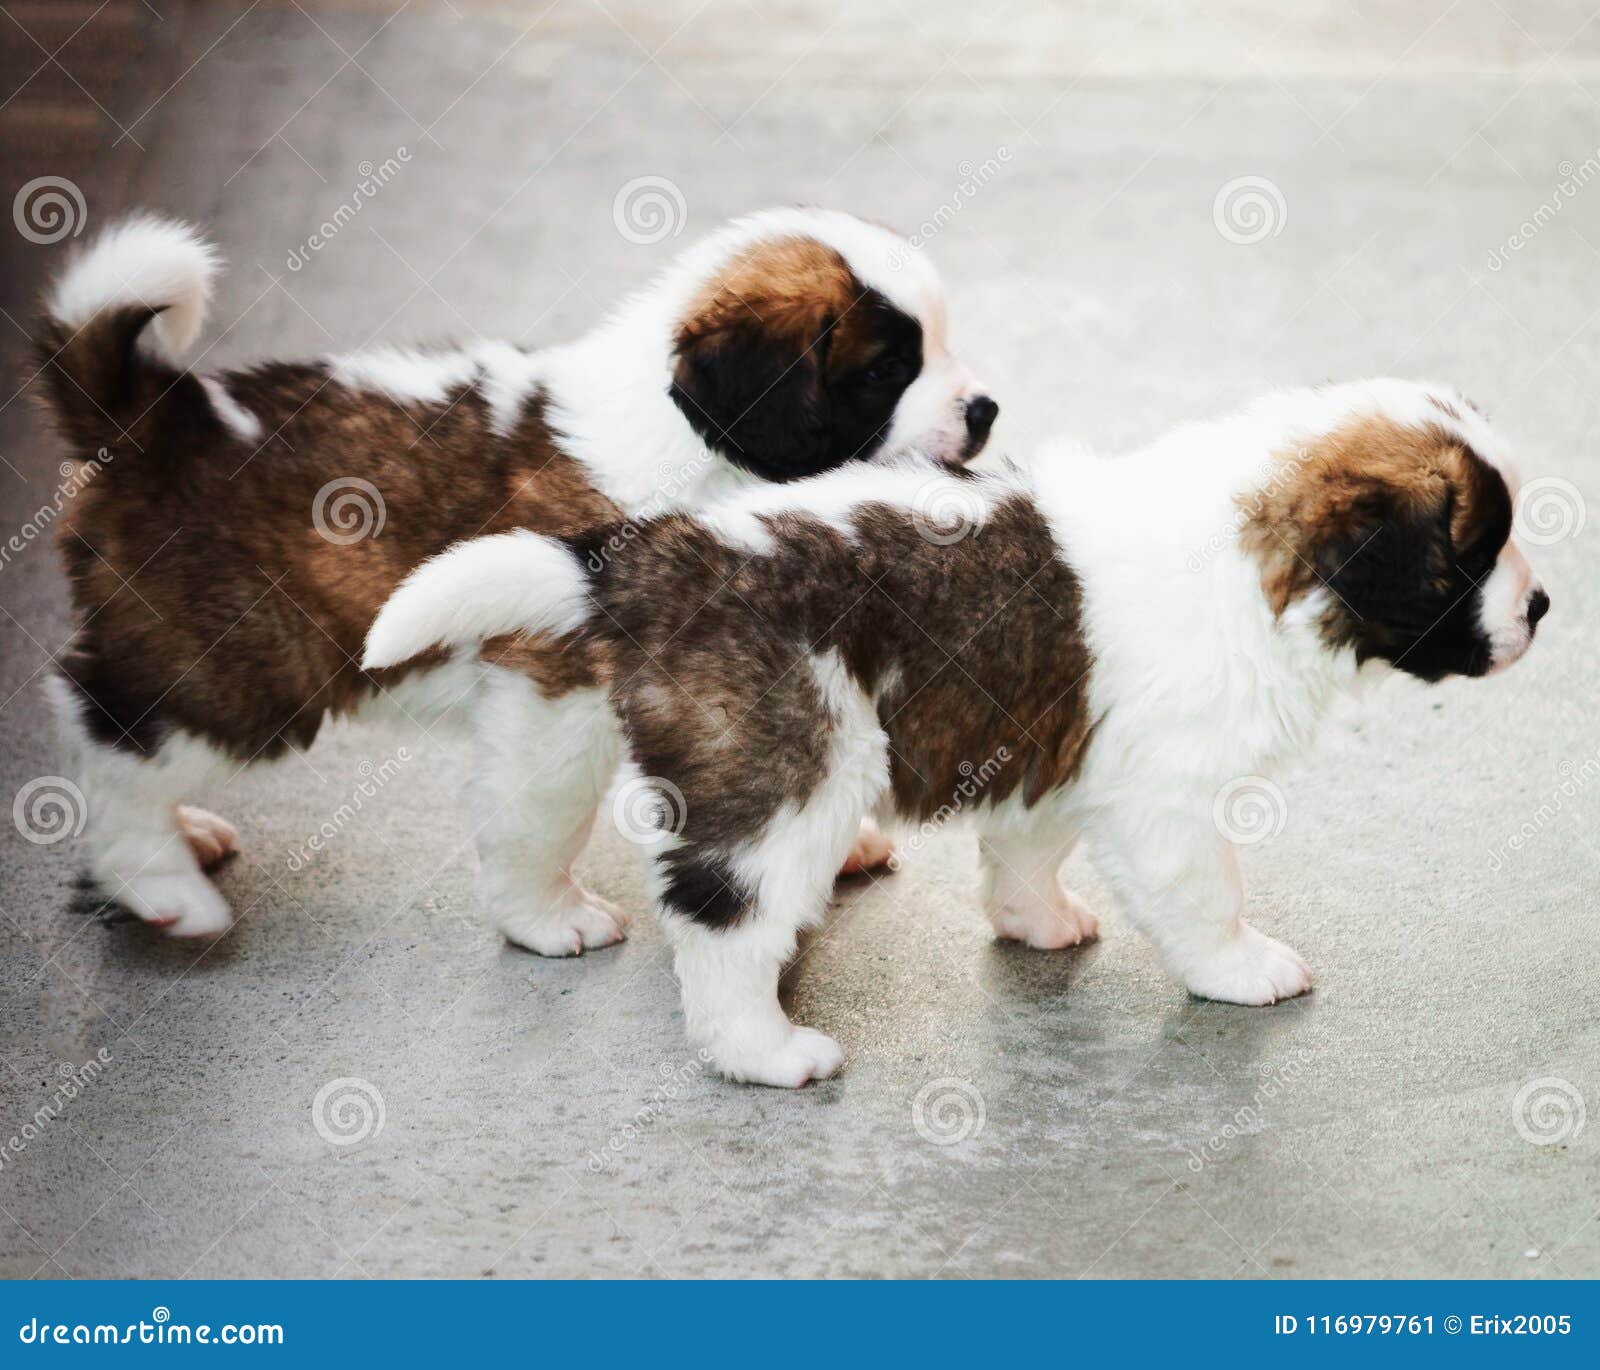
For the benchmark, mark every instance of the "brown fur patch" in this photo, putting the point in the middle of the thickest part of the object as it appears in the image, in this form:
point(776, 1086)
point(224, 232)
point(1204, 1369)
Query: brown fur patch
point(1402, 525)
point(1324, 492)
point(794, 288)
point(210, 600)
point(974, 651)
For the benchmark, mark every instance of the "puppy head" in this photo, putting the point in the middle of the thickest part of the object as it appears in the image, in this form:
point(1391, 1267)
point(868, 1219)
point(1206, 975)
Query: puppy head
point(1400, 512)
point(814, 339)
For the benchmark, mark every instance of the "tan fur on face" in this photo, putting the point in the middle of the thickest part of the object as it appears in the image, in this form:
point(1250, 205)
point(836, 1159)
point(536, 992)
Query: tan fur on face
point(1324, 491)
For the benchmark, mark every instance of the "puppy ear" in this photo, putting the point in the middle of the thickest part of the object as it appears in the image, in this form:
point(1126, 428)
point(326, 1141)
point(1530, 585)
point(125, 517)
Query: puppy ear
point(1389, 565)
point(754, 389)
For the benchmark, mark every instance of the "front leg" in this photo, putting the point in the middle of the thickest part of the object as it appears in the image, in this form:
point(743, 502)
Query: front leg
point(1179, 879)
point(1023, 895)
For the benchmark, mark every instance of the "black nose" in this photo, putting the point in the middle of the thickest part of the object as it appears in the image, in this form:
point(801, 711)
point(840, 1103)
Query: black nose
point(1538, 606)
point(981, 414)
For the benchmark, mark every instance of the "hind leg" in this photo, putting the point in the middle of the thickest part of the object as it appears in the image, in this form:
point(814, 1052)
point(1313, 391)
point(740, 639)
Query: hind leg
point(540, 770)
point(732, 930)
point(138, 848)
point(1022, 891)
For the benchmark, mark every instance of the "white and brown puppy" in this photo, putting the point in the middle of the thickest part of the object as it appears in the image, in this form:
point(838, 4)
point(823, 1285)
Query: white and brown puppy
point(1111, 645)
point(242, 529)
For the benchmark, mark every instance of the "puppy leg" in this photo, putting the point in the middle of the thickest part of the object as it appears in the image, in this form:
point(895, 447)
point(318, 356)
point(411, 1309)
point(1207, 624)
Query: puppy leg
point(872, 850)
point(540, 769)
point(1022, 891)
point(732, 931)
point(138, 850)
point(211, 837)
point(1180, 880)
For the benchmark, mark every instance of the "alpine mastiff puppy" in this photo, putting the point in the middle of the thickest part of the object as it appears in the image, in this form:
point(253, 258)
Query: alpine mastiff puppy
point(1132, 634)
point(242, 528)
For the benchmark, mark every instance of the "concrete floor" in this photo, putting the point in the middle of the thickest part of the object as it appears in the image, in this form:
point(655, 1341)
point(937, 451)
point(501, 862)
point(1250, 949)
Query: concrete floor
point(1003, 1112)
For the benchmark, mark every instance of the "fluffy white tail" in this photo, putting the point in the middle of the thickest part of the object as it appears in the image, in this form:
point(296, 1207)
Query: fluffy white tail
point(144, 262)
point(505, 583)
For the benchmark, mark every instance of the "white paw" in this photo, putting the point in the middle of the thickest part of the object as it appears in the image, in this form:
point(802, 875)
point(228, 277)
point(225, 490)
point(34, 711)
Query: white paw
point(1251, 969)
point(801, 1055)
point(211, 838)
point(872, 850)
point(565, 925)
point(1064, 922)
point(185, 903)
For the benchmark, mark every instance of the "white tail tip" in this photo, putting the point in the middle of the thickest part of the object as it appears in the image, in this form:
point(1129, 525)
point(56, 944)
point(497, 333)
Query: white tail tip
point(504, 583)
point(146, 260)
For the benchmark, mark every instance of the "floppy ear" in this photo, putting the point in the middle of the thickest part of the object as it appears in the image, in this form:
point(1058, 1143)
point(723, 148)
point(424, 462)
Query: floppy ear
point(1390, 564)
point(753, 389)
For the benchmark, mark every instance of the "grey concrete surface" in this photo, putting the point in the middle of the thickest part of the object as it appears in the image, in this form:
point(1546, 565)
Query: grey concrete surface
point(1422, 1114)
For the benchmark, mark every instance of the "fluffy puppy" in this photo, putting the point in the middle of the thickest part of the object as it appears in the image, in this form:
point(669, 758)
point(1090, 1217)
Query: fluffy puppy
point(1107, 645)
point(241, 529)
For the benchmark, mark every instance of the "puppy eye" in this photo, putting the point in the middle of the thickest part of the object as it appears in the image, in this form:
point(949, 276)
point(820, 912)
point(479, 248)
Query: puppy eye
point(884, 370)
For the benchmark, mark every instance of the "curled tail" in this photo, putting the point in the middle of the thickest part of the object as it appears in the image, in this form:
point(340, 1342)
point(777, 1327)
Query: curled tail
point(103, 383)
point(504, 583)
